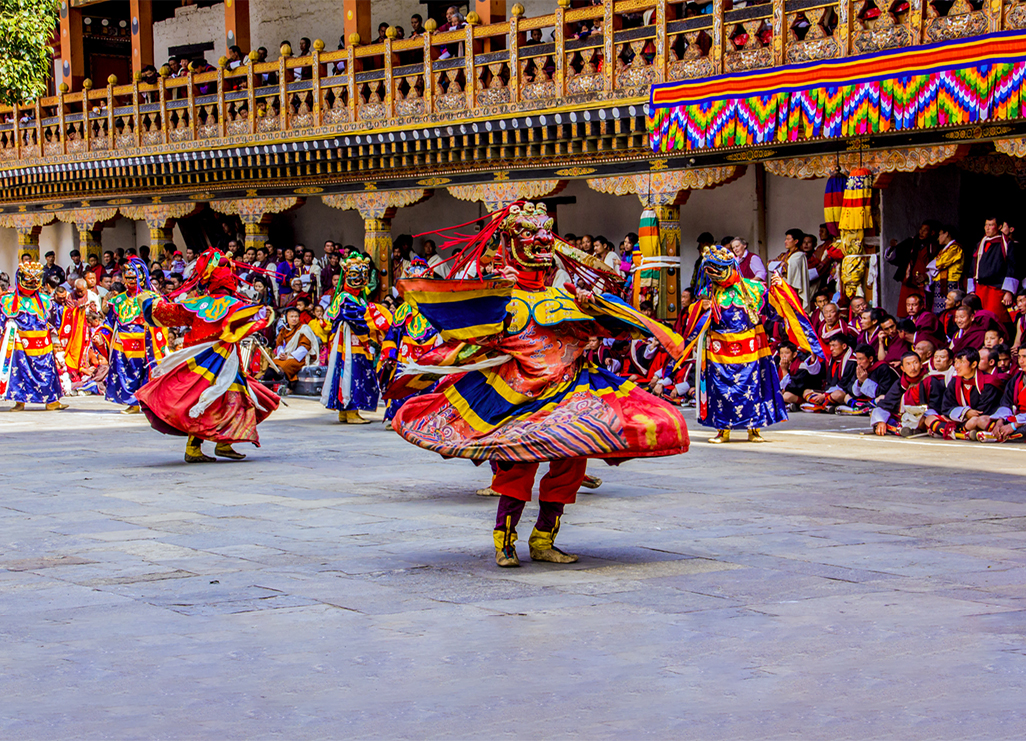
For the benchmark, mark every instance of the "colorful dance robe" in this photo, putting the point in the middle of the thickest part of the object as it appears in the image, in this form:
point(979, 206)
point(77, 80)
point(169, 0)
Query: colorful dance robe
point(202, 390)
point(134, 347)
point(29, 371)
point(530, 395)
point(408, 339)
point(351, 382)
point(738, 386)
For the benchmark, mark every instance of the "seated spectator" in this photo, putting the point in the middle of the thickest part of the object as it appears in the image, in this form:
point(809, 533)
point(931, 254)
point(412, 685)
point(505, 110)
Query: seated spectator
point(989, 359)
point(856, 307)
point(869, 326)
point(889, 345)
point(927, 326)
point(840, 374)
point(295, 341)
point(925, 350)
point(806, 378)
point(873, 379)
point(952, 300)
point(969, 400)
point(914, 398)
point(942, 364)
point(819, 300)
point(971, 331)
point(832, 324)
point(1010, 417)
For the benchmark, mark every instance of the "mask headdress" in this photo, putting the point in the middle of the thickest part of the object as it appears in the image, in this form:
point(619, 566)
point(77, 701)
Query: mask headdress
point(719, 272)
point(214, 273)
point(137, 266)
point(29, 277)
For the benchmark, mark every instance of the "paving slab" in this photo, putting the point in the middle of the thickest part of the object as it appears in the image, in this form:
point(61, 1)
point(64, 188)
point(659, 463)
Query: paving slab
point(340, 583)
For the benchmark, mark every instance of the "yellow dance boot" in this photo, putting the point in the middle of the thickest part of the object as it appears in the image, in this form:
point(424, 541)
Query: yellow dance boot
point(194, 451)
point(225, 450)
point(505, 550)
point(353, 418)
point(543, 547)
point(55, 406)
point(722, 436)
point(754, 436)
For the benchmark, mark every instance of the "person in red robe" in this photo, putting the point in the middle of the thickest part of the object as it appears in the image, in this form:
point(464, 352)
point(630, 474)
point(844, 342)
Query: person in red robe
point(911, 258)
point(993, 271)
point(1010, 417)
point(972, 330)
point(202, 391)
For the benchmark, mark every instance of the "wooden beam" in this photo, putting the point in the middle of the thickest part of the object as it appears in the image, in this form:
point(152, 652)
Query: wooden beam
point(356, 17)
point(72, 57)
point(142, 34)
point(236, 24)
point(491, 11)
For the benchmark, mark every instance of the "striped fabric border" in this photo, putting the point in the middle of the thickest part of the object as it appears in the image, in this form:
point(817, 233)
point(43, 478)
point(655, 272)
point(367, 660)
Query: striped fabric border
point(947, 83)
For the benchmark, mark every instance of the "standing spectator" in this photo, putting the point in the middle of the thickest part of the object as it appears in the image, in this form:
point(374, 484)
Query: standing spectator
point(434, 260)
point(794, 264)
point(945, 270)
point(750, 265)
point(77, 269)
point(52, 269)
point(911, 258)
point(416, 26)
point(993, 272)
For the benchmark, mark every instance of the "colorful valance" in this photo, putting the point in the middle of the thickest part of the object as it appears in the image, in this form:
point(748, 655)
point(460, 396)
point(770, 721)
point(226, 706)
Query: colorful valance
point(945, 84)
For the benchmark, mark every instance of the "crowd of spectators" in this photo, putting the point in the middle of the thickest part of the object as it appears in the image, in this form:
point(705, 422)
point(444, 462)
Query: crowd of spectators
point(952, 322)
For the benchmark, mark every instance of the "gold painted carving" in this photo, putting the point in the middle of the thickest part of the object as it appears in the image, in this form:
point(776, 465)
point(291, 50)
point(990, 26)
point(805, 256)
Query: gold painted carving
point(496, 195)
point(890, 160)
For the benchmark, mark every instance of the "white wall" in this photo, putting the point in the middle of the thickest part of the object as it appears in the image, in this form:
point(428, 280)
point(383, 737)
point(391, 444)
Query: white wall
point(274, 21)
point(792, 204)
point(8, 252)
point(191, 25)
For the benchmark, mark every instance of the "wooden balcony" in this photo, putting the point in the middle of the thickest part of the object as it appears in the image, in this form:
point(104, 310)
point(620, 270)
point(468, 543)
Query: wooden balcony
point(474, 74)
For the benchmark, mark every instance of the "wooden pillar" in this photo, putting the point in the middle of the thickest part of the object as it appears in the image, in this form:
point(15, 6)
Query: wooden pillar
point(491, 11)
point(236, 24)
point(72, 57)
point(142, 34)
point(356, 18)
point(89, 243)
point(28, 242)
point(256, 235)
point(377, 242)
point(669, 246)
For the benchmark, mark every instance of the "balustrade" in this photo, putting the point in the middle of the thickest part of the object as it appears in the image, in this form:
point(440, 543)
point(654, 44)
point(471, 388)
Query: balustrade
point(611, 51)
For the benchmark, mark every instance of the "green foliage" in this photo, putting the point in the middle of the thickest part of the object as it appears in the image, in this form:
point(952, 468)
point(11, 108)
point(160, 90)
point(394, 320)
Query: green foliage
point(26, 63)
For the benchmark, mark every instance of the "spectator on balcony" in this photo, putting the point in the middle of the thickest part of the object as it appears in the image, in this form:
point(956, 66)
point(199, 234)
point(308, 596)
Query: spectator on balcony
point(303, 73)
point(200, 66)
point(416, 26)
point(536, 37)
point(453, 22)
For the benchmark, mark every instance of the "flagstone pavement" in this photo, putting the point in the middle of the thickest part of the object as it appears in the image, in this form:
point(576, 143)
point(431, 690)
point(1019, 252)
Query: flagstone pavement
point(340, 583)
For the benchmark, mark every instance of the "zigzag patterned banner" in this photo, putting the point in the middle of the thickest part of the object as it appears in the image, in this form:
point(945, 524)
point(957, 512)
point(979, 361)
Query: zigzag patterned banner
point(950, 83)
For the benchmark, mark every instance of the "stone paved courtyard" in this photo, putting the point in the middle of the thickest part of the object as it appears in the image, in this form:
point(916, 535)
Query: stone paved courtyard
point(340, 584)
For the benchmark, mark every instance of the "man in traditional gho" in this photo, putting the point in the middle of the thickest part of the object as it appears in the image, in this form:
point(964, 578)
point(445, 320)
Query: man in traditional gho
point(134, 347)
point(351, 383)
point(738, 384)
point(1010, 417)
point(29, 368)
point(992, 276)
point(945, 270)
point(518, 390)
point(202, 391)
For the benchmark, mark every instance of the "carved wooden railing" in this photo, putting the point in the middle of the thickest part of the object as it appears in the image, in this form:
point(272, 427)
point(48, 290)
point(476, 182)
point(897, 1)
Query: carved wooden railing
point(611, 52)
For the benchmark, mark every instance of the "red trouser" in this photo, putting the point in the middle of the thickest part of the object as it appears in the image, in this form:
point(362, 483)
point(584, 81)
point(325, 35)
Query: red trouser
point(560, 484)
point(991, 299)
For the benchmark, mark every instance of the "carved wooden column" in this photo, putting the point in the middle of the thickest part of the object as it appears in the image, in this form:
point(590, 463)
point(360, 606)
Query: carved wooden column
point(160, 219)
point(498, 194)
point(28, 226)
point(90, 223)
point(378, 208)
point(255, 214)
